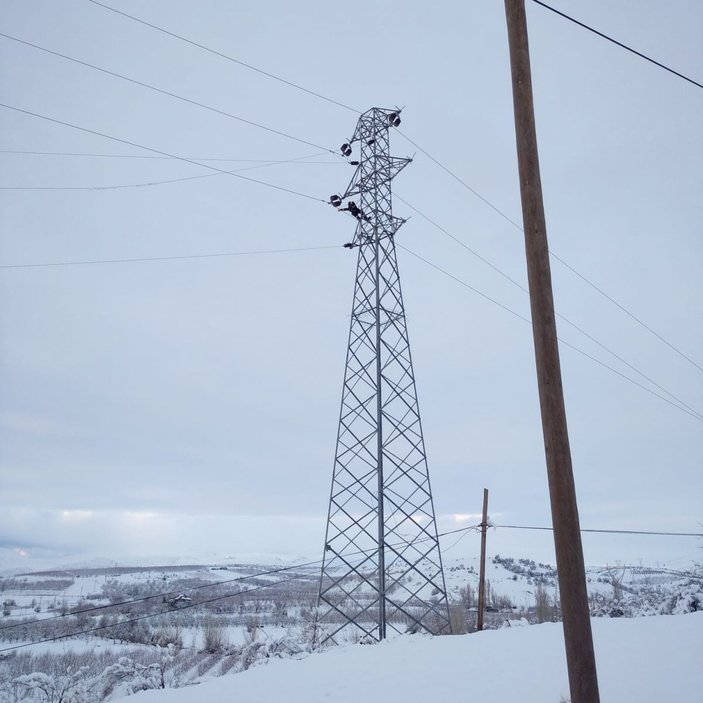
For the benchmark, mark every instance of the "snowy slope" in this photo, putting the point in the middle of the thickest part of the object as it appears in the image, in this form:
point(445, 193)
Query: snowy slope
point(643, 660)
point(15, 560)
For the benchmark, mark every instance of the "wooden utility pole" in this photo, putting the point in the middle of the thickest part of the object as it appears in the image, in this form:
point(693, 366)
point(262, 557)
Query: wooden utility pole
point(482, 570)
point(580, 658)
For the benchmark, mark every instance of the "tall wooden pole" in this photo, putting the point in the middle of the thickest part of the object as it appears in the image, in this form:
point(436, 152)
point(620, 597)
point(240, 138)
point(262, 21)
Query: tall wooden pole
point(482, 569)
point(580, 658)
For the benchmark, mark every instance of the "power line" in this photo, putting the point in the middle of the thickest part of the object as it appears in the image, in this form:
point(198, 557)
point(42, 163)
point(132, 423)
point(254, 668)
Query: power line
point(417, 146)
point(164, 594)
point(435, 224)
point(626, 311)
point(617, 43)
point(166, 258)
point(463, 530)
point(459, 180)
point(213, 584)
point(682, 407)
point(559, 315)
point(166, 92)
point(463, 244)
point(219, 171)
point(149, 184)
point(610, 532)
point(288, 190)
point(164, 158)
point(151, 615)
point(225, 56)
point(158, 151)
point(465, 284)
point(476, 528)
point(121, 186)
point(468, 528)
point(553, 255)
point(304, 195)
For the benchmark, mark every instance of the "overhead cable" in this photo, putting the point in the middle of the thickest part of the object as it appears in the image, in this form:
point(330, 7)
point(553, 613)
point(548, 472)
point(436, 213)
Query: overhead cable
point(417, 146)
point(158, 151)
point(559, 315)
point(556, 257)
point(608, 532)
point(626, 311)
point(163, 158)
point(147, 616)
point(168, 93)
point(681, 407)
point(149, 184)
point(617, 43)
point(310, 197)
point(166, 258)
point(269, 572)
point(166, 594)
point(224, 56)
point(212, 584)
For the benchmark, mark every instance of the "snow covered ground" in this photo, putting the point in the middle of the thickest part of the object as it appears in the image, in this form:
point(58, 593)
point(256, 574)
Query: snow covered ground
point(642, 660)
point(645, 659)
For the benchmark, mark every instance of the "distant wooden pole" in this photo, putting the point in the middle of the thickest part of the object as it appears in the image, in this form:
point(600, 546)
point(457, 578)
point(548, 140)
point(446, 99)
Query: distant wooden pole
point(482, 570)
point(580, 658)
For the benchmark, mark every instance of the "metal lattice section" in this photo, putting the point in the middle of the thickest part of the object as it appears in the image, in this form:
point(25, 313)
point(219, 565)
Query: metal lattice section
point(382, 566)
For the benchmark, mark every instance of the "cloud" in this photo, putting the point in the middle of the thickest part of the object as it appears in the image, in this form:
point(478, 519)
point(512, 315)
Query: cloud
point(33, 424)
point(138, 534)
point(186, 405)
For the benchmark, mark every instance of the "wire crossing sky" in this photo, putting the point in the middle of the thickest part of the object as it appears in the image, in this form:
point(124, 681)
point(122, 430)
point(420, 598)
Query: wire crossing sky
point(128, 387)
point(617, 43)
point(678, 402)
point(298, 87)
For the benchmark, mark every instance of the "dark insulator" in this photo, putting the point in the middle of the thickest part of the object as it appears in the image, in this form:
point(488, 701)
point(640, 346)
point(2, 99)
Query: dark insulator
point(346, 150)
point(335, 200)
point(394, 119)
point(370, 142)
point(354, 163)
point(348, 245)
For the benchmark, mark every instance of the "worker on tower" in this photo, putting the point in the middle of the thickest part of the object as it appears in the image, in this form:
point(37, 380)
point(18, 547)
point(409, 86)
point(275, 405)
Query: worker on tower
point(353, 208)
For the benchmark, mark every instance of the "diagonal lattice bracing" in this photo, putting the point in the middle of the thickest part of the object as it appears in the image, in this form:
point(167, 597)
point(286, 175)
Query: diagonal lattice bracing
point(382, 567)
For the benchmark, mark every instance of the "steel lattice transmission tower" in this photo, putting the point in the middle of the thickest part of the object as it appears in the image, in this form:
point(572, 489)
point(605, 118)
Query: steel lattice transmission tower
point(382, 566)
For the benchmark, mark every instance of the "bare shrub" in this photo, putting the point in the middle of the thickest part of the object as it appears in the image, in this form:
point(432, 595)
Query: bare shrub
point(543, 604)
point(205, 664)
point(229, 663)
point(458, 619)
point(467, 596)
point(165, 636)
point(214, 639)
point(251, 631)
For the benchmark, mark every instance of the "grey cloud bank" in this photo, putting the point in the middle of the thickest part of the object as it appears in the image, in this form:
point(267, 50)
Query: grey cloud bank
point(185, 406)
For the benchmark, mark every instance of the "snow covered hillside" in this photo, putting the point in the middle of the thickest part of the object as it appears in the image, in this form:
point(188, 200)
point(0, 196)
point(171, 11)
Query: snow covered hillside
point(102, 633)
point(643, 660)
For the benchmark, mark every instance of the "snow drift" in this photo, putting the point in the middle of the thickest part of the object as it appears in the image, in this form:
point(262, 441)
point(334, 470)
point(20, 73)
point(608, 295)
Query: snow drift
point(643, 660)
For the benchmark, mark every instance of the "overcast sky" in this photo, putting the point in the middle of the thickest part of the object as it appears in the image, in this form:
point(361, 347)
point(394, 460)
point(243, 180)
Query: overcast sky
point(190, 406)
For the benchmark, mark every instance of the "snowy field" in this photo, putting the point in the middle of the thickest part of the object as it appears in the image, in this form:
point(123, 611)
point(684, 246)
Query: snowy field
point(644, 660)
point(241, 631)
